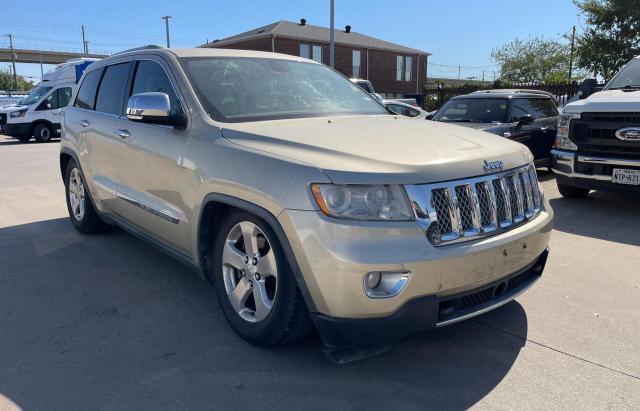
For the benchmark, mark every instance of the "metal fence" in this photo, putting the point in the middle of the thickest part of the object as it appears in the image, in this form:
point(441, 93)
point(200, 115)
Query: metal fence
point(436, 95)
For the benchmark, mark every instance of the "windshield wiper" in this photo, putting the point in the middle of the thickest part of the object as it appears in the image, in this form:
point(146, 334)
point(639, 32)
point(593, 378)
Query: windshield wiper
point(627, 87)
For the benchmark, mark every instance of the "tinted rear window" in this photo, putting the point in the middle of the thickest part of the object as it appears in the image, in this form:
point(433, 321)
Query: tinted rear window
point(112, 89)
point(535, 107)
point(87, 94)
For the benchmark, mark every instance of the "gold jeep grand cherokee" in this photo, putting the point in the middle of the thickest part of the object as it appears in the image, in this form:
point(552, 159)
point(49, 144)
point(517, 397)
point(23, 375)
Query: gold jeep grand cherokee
point(300, 197)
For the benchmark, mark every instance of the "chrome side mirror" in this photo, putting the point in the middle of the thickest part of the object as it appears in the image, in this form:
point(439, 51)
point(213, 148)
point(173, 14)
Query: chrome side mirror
point(153, 108)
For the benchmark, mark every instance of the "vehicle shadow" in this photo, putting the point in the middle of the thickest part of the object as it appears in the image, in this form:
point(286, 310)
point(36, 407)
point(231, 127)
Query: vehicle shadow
point(107, 321)
point(602, 215)
point(9, 141)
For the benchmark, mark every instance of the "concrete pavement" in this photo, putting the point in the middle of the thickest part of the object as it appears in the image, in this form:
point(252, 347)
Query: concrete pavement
point(109, 322)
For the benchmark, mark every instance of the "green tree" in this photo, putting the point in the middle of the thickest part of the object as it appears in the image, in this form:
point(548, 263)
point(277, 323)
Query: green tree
point(533, 60)
point(612, 35)
point(6, 82)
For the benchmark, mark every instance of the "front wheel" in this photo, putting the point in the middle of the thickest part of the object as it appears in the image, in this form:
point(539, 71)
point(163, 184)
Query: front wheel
point(256, 289)
point(42, 133)
point(572, 191)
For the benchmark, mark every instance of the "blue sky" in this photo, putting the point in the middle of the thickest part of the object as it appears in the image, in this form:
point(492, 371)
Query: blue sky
point(456, 32)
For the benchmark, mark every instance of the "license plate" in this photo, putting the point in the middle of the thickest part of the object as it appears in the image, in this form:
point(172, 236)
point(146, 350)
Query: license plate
point(624, 176)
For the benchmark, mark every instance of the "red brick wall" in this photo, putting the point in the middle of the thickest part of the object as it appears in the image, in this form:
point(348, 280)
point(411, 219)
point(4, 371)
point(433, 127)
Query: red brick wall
point(382, 64)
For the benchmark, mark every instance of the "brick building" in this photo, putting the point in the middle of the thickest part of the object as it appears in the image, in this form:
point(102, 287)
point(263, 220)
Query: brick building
point(391, 68)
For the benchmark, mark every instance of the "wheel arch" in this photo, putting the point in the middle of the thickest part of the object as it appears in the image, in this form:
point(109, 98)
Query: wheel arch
point(215, 206)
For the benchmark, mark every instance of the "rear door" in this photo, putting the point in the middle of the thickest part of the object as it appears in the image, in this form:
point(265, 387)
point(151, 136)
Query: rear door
point(540, 135)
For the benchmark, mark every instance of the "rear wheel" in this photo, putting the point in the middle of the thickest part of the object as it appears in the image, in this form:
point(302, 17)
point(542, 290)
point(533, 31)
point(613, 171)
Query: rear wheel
point(256, 289)
point(81, 211)
point(42, 133)
point(572, 191)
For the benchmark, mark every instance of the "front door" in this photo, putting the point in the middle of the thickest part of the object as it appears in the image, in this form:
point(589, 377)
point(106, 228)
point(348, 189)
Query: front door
point(153, 174)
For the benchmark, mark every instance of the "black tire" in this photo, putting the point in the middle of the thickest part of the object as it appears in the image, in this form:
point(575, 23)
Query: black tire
point(43, 133)
point(288, 320)
point(90, 222)
point(572, 191)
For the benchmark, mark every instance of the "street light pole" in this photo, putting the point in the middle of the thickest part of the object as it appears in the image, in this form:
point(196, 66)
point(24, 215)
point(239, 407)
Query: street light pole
point(13, 63)
point(331, 39)
point(166, 27)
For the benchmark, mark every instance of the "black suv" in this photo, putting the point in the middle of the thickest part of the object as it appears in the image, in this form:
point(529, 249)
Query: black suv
point(529, 117)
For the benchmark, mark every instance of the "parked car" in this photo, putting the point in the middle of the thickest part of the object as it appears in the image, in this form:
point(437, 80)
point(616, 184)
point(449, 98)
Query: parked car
point(405, 109)
point(368, 87)
point(303, 207)
point(598, 142)
point(527, 116)
point(40, 113)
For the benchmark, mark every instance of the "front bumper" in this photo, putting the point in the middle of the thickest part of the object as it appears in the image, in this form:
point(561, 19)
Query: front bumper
point(334, 255)
point(17, 130)
point(427, 312)
point(593, 172)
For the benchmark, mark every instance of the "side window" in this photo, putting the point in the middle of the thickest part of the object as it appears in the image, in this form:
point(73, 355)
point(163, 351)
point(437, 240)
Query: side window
point(64, 96)
point(535, 107)
point(87, 94)
point(151, 77)
point(49, 103)
point(112, 89)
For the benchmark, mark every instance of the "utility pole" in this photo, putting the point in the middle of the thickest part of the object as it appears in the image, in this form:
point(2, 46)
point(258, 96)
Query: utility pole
point(84, 42)
point(166, 27)
point(331, 39)
point(13, 62)
point(483, 76)
point(459, 71)
point(573, 39)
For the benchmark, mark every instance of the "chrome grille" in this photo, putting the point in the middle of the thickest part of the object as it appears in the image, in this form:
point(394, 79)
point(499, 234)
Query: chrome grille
point(466, 209)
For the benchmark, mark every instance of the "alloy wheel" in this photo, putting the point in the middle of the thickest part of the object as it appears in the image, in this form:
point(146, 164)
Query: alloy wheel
point(76, 194)
point(250, 271)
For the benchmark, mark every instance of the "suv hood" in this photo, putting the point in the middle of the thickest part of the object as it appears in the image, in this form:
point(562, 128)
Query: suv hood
point(380, 149)
point(606, 101)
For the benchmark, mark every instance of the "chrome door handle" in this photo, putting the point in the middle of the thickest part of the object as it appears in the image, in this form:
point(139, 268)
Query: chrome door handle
point(84, 123)
point(121, 132)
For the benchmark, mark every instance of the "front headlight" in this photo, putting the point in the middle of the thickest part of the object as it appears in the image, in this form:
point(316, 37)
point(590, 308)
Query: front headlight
point(562, 138)
point(19, 113)
point(360, 202)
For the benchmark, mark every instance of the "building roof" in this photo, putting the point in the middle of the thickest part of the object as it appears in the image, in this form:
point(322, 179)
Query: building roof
point(310, 32)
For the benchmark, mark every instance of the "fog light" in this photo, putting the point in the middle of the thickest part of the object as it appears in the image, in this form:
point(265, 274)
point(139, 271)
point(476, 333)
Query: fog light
point(373, 280)
point(385, 284)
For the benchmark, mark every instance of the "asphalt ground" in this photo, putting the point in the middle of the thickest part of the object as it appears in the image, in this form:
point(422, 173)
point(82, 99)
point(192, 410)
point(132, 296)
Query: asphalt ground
point(109, 322)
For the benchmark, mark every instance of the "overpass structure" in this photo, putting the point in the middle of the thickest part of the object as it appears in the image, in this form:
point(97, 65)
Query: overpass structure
point(41, 56)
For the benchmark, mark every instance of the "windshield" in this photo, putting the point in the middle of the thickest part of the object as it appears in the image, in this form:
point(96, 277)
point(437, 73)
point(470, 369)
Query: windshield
point(250, 89)
point(629, 76)
point(35, 95)
point(474, 110)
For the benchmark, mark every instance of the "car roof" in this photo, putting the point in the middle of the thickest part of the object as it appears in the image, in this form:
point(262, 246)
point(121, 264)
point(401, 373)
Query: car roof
point(507, 93)
point(208, 52)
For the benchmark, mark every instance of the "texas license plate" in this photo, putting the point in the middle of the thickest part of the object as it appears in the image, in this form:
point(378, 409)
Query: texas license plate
point(624, 176)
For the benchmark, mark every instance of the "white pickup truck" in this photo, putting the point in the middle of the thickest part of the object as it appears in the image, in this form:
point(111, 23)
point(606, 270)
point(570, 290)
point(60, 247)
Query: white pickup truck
point(40, 114)
point(598, 142)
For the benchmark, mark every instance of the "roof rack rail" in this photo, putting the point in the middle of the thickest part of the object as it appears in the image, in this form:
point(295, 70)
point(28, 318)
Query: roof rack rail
point(147, 47)
point(514, 91)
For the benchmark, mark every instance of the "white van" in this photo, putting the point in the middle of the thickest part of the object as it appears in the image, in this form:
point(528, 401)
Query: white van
point(39, 114)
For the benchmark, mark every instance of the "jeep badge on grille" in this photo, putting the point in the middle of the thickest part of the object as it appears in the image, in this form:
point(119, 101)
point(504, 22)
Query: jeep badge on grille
point(495, 165)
